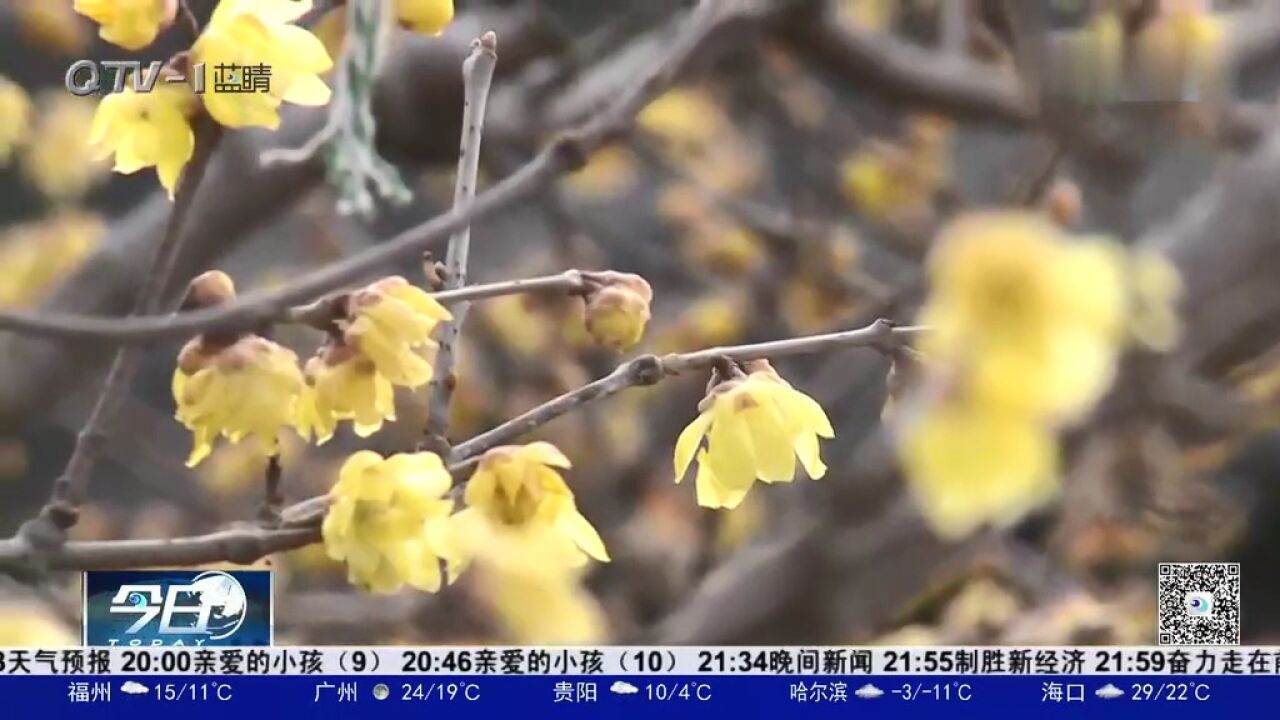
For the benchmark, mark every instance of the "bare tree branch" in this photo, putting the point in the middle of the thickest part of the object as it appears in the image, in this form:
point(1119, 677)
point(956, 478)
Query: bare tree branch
point(62, 510)
point(477, 73)
point(299, 524)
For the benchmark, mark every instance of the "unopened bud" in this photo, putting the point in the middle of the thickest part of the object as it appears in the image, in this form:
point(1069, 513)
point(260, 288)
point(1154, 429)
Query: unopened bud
point(208, 289)
point(617, 308)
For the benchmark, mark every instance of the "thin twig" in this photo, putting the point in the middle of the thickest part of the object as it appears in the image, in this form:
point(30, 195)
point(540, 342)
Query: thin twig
point(61, 511)
point(477, 74)
point(300, 522)
point(272, 493)
point(565, 154)
point(318, 314)
point(649, 369)
point(189, 19)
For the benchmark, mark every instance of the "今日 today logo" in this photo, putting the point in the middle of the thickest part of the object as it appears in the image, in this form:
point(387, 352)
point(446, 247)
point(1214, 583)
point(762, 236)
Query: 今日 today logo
point(177, 607)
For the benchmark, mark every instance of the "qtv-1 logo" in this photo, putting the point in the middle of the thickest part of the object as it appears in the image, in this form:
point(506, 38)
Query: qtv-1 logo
point(177, 607)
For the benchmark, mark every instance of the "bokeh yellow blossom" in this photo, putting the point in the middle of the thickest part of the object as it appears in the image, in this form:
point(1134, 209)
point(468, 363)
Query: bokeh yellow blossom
point(1032, 316)
point(146, 129)
point(1156, 292)
point(391, 323)
point(15, 108)
point(248, 388)
point(37, 254)
point(234, 469)
point(609, 172)
point(884, 184)
point(342, 384)
point(388, 520)
point(723, 247)
point(872, 15)
point(686, 118)
point(712, 320)
point(59, 159)
point(896, 182)
point(969, 466)
point(429, 17)
point(532, 582)
point(130, 24)
point(520, 486)
point(260, 33)
point(1025, 327)
point(25, 624)
point(755, 427)
point(1183, 50)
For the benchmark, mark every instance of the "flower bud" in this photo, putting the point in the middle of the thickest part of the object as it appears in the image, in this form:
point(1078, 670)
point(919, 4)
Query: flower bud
point(617, 308)
point(208, 289)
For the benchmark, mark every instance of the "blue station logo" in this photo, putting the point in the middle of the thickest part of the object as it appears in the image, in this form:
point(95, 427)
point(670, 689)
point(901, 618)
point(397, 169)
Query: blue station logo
point(177, 607)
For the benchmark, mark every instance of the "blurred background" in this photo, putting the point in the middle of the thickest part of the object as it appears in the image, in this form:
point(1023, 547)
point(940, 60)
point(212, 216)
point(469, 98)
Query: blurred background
point(789, 183)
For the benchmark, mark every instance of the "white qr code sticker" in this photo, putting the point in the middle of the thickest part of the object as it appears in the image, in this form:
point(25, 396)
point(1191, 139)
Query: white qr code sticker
point(1199, 604)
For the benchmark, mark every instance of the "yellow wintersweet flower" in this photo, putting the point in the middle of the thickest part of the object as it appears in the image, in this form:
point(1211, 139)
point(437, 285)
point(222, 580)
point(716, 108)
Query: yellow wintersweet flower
point(260, 33)
point(391, 324)
point(531, 580)
point(342, 384)
point(232, 384)
point(388, 520)
point(146, 129)
point(15, 108)
point(968, 466)
point(249, 387)
point(755, 427)
point(131, 24)
point(521, 487)
point(429, 17)
point(59, 159)
point(1032, 318)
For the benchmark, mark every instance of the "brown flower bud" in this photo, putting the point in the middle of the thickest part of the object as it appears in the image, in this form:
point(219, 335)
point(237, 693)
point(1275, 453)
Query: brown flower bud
point(208, 289)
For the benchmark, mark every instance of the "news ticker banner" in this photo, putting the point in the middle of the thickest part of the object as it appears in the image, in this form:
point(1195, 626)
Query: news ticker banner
point(685, 661)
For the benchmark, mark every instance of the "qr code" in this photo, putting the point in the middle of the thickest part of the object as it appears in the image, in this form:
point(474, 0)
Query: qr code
point(1199, 604)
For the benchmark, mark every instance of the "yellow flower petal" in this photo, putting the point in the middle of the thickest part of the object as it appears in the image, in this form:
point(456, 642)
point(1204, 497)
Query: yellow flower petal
point(688, 442)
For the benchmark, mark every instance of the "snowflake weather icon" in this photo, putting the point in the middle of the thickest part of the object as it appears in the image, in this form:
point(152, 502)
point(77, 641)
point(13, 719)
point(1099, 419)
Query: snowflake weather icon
point(178, 607)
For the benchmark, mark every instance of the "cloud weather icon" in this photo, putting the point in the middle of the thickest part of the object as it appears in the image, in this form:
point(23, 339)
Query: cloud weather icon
point(131, 687)
point(868, 692)
point(622, 687)
point(1109, 692)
